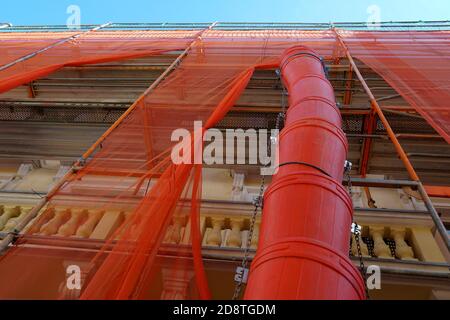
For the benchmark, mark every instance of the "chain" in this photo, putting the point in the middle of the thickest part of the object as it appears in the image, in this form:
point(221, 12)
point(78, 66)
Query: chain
point(242, 271)
point(356, 230)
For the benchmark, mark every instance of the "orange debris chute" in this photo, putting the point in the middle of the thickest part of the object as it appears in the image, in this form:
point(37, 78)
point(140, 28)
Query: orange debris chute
point(305, 232)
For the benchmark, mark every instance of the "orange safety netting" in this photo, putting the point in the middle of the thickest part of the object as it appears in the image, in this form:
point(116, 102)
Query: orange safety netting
point(415, 63)
point(133, 173)
point(89, 48)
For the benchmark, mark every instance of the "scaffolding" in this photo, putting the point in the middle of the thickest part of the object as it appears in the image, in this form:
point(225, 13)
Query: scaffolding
point(336, 28)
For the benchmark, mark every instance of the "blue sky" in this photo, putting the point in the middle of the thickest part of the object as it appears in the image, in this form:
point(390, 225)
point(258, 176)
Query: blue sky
point(99, 11)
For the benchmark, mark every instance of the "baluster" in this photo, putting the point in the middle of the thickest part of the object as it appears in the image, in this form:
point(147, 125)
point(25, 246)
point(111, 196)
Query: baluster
point(402, 250)
point(70, 227)
point(364, 248)
point(85, 230)
point(9, 213)
point(255, 237)
point(12, 223)
point(175, 230)
point(41, 220)
point(381, 249)
point(215, 235)
point(52, 226)
point(235, 237)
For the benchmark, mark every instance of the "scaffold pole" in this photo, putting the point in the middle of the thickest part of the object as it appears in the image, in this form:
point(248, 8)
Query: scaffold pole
point(393, 137)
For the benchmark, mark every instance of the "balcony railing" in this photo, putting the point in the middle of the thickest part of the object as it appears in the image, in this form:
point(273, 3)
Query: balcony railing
point(220, 233)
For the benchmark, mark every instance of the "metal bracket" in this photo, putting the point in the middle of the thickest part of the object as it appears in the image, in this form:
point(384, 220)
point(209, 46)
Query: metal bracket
point(258, 202)
point(241, 275)
point(348, 166)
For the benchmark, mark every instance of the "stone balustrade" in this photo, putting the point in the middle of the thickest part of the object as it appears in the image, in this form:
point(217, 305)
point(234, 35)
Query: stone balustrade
point(217, 232)
point(75, 222)
point(230, 232)
point(395, 243)
point(380, 248)
point(415, 243)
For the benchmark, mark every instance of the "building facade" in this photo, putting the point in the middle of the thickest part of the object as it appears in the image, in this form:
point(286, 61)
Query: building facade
point(48, 123)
